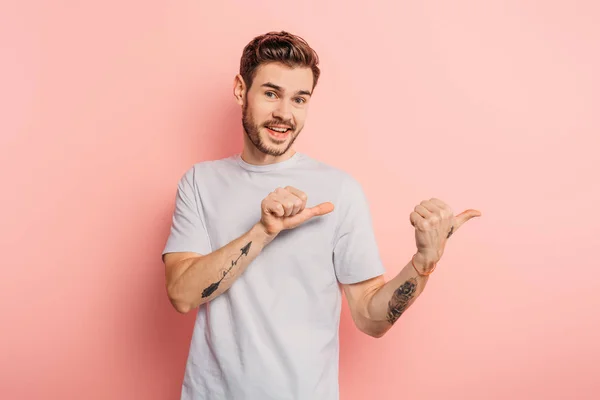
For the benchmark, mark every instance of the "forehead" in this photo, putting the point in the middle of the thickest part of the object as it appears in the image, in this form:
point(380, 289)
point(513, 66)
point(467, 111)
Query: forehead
point(291, 79)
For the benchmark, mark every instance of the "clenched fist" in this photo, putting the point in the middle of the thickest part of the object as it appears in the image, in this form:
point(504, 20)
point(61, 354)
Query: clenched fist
point(434, 223)
point(286, 209)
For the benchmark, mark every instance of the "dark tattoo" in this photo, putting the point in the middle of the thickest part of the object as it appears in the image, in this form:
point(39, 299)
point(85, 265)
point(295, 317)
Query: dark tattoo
point(400, 300)
point(211, 289)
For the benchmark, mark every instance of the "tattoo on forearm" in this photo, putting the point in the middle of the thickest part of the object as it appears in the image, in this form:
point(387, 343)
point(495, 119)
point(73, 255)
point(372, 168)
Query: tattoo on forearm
point(401, 299)
point(211, 289)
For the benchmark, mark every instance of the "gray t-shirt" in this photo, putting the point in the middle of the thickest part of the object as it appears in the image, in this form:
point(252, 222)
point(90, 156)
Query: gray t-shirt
point(274, 334)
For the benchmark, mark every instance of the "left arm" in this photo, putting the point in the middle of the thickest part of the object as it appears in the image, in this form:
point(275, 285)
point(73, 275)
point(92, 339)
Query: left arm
point(376, 305)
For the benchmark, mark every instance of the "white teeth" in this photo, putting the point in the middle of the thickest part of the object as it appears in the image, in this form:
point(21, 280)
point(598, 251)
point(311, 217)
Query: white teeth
point(282, 130)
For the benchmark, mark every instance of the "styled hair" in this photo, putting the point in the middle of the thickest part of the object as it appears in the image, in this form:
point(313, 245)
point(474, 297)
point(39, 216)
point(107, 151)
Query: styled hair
point(281, 47)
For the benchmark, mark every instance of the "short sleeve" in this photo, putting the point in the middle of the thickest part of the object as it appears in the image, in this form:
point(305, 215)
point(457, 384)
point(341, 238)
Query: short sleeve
point(355, 255)
point(188, 228)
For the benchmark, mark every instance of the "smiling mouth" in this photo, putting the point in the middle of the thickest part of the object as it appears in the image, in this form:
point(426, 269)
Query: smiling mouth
point(278, 134)
point(277, 129)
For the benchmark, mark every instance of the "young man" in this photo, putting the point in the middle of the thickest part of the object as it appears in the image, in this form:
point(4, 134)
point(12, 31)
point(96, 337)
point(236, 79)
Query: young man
point(262, 241)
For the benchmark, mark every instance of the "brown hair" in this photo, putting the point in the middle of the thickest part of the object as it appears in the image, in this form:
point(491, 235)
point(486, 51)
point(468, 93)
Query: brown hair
point(282, 47)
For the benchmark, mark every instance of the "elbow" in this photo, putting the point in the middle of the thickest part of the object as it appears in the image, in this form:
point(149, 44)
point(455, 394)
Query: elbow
point(376, 330)
point(377, 333)
point(181, 305)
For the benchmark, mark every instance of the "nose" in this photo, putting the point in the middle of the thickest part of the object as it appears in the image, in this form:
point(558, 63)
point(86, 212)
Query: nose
point(283, 112)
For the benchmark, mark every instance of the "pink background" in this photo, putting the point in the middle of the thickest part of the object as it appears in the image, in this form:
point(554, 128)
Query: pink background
point(489, 105)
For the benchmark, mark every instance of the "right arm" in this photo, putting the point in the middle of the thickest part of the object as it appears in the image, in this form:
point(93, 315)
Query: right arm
point(193, 279)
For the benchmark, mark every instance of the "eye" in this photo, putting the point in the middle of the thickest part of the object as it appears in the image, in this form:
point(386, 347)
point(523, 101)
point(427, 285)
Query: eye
point(271, 95)
point(300, 100)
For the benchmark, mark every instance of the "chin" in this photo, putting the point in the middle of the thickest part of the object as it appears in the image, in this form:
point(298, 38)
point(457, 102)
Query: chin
point(271, 142)
point(273, 148)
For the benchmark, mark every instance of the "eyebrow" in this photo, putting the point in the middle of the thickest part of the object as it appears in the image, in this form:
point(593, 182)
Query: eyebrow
point(279, 88)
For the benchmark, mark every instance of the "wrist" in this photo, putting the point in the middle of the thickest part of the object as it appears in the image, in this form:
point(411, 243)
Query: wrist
point(264, 236)
point(423, 264)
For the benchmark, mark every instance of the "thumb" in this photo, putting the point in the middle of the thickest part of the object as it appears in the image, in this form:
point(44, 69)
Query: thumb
point(321, 209)
point(465, 216)
point(306, 214)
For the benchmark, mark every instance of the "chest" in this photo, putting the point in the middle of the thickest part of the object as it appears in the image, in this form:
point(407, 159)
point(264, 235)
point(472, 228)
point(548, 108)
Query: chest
point(233, 205)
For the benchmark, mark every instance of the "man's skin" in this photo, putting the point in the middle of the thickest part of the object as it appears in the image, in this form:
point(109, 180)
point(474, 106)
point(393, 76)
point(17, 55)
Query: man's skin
point(279, 96)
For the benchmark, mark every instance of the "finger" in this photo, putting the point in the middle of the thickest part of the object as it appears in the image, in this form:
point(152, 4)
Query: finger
point(465, 216)
point(298, 204)
point(300, 194)
point(291, 202)
point(430, 206)
point(446, 210)
point(320, 209)
point(294, 202)
point(422, 211)
point(288, 206)
point(281, 196)
point(439, 203)
point(273, 207)
point(414, 218)
point(286, 200)
point(419, 222)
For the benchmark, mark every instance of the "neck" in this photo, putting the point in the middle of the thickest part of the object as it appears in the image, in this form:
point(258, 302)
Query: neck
point(252, 155)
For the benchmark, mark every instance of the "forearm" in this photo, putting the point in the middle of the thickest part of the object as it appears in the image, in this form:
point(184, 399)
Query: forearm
point(392, 299)
point(200, 279)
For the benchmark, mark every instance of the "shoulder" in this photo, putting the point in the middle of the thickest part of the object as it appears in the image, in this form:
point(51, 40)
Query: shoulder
point(196, 171)
point(330, 172)
point(348, 188)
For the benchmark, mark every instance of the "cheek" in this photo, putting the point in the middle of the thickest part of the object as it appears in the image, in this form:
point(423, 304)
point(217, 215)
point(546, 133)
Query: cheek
point(300, 117)
point(261, 114)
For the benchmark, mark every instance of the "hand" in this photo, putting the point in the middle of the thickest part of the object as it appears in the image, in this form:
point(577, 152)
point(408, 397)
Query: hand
point(286, 209)
point(434, 223)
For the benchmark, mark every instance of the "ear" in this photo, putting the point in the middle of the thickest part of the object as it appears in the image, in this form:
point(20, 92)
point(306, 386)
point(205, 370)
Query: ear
point(239, 89)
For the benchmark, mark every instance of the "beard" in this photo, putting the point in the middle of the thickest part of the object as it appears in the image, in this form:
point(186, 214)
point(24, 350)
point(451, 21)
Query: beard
point(252, 130)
